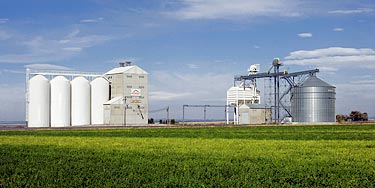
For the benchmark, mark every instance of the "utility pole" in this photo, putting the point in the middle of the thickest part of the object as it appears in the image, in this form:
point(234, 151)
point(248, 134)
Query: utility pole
point(205, 110)
point(168, 122)
point(124, 110)
point(183, 114)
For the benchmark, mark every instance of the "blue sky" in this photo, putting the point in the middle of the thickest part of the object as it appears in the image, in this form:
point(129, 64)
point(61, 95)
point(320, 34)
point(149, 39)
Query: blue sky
point(190, 48)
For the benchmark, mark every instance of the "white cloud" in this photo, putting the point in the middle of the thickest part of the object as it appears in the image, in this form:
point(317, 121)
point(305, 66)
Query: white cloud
point(12, 100)
point(364, 82)
point(166, 96)
point(331, 51)
point(355, 95)
point(159, 63)
point(4, 35)
point(256, 46)
point(305, 35)
point(92, 20)
point(352, 11)
point(13, 71)
point(333, 58)
point(72, 34)
point(338, 29)
point(188, 87)
point(3, 20)
point(150, 25)
point(192, 66)
point(72, 49)
point(40, 49)
point(234, 9)
point(328, 69)
point(47, 66)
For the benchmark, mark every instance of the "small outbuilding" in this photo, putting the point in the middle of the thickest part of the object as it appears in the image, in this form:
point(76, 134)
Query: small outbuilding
point(255, 114)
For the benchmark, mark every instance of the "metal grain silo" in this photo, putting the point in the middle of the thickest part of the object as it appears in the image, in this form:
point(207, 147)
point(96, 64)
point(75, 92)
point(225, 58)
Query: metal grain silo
point(39, 98)
point(313, 101)
point(99, 95)
point(60, 102)
point(80, 101)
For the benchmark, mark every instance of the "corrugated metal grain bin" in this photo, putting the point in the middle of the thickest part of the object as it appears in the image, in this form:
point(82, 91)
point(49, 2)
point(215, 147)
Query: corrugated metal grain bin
point(313, 101)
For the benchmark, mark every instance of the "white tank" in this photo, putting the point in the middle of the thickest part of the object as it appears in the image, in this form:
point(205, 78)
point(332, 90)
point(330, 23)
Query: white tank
point(80, 101)
point(60, 102)
point(38, 102)
point(99, 95)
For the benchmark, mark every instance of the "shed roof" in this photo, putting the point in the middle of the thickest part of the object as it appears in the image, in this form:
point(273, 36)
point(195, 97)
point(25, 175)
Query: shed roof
point(133, 69)
point(254, 106)
point(116, 100)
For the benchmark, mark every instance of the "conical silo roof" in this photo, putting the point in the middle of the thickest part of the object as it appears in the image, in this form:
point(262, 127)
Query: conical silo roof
point(314, 81)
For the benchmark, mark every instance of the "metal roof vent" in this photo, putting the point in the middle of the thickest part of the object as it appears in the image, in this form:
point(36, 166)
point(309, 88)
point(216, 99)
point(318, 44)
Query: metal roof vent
point(128, 63)
point(122, 64)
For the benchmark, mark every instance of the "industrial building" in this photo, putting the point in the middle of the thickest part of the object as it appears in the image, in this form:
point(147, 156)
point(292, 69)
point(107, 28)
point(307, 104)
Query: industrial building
point(120, 97)
point(243, 93)
point(63, 99)
point(129, 96)
point(311, 100)
point(255, 114)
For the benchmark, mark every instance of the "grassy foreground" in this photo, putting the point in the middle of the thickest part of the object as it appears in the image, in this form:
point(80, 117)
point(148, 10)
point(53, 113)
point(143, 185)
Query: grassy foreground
point(295, 156)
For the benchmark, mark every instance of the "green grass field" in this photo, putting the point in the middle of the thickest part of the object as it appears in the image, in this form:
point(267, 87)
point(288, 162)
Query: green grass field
point(284, 156)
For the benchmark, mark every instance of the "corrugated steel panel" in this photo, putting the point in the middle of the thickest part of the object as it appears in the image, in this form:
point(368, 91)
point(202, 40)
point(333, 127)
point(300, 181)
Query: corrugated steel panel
point(313, 102)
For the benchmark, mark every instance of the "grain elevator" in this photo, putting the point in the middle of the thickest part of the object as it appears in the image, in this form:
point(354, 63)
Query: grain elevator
point(293, 97)
point(129, 96)
point(66, 98)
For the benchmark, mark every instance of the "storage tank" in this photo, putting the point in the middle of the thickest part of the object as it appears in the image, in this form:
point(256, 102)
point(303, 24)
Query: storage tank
point(80, 101)
point(313, 101)
point(39, 98)
point(60, 102)
point(99, 95)
point(243, 95)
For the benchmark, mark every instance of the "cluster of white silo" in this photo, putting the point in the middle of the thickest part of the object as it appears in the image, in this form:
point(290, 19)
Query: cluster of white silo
point(63, 103)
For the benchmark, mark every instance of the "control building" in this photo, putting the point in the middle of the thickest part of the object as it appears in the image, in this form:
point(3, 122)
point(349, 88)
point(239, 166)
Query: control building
point(129, 96)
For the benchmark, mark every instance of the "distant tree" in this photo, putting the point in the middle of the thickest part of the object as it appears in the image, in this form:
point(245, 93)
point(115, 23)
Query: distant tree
point(347, 118)
point(355, 116)
point(358, 116)
point(339, 118)
point(173, 121)
point(365, 117)
point(160, 121)
point(151, 121)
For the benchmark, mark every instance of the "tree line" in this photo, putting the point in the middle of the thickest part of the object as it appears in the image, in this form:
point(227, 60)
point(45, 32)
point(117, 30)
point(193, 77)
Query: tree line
point(353, 116)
